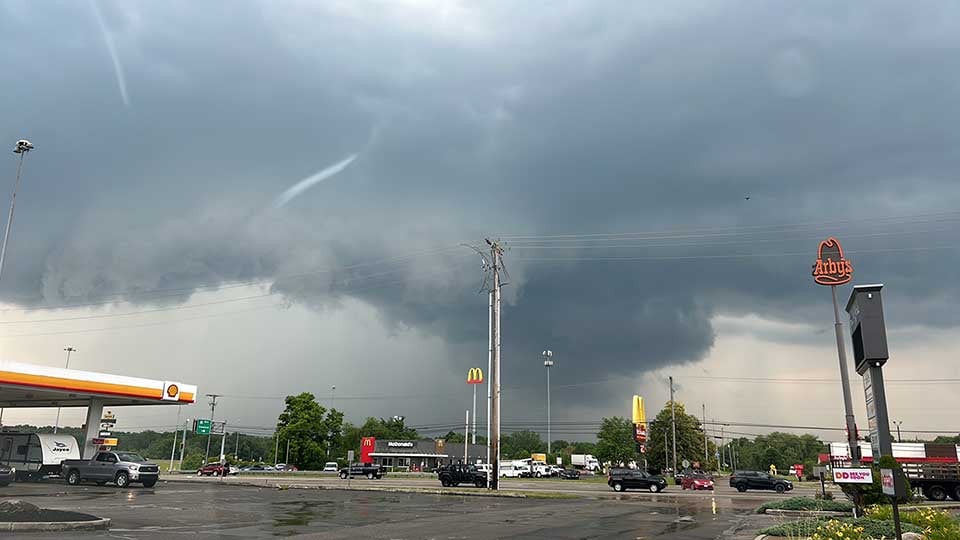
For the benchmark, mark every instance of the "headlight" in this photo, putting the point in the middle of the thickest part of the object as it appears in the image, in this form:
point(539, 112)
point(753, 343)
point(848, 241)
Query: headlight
point(13, 470)
point(134, 467)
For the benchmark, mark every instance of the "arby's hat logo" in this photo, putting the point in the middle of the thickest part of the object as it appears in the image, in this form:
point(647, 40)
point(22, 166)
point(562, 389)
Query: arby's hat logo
point(831, 267)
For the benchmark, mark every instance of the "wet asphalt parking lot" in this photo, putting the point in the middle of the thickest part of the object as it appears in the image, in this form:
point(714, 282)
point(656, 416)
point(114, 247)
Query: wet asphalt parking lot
point(208, 509)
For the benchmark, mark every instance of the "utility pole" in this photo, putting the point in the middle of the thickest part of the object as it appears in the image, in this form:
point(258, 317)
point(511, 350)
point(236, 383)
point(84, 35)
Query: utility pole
point(276, 448)
point(236, 449)
point(223, 443)
point(705, 458)
point(213, 408)
point(183, 442)
point(548, 363)
point(673, 422)
point(287, 460)
point(466, 437)
point(173, 449)
point(56, 424)
point(491, 474)
point(723, 450)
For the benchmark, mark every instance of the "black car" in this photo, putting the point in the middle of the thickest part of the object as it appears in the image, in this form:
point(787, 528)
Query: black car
point(624, 479)
point(744, 480)
point(454, 475)
point(569, 474)
point(7, 475)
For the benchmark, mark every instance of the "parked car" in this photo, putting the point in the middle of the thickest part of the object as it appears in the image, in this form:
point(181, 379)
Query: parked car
point(623, 479)
point(454, 475)
point(744, 480)
point(569, 474)
point(330, 466)
point(696, 481)
point(7, 475)
point(258, 467)
point(283, 467)
point(121, 468)
point(361, 469)
point(213, 469)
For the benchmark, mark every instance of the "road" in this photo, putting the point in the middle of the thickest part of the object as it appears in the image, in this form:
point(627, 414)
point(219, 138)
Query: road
point(206, 509)
point(587, 487)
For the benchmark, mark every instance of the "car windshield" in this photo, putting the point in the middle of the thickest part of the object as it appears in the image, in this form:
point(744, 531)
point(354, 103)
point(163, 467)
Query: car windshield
point(130, 457)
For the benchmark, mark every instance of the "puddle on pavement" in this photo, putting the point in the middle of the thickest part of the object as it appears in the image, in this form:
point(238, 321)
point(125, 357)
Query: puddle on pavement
point(300, 514)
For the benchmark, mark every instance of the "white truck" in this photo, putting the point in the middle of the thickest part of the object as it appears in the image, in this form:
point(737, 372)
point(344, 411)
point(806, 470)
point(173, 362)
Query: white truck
point(540, 469)
point(35, 455)
point(585, 461)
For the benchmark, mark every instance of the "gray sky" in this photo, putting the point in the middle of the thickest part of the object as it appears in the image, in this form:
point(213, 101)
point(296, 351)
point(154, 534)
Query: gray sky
point(164, 135)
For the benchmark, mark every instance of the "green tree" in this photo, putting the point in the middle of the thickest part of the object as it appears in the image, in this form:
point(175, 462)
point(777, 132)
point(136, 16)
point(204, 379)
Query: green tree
point(615, 441)
point(309, 430)
point(453, 436)
point(521, 444)
point(689, 440)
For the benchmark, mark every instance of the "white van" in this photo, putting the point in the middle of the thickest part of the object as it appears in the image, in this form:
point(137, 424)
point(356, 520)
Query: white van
point(36, 454)
point(509, 470)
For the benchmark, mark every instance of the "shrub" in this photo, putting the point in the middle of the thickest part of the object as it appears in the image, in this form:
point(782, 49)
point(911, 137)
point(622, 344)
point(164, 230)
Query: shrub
point(871, 528)
point(934, 522)
point(806, 503)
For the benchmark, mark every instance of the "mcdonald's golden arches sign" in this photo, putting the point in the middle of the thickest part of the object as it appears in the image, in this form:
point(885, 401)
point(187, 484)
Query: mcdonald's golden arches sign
point(474, 376)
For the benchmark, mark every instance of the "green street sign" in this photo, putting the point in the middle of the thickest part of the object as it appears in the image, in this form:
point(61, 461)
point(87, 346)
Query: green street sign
point(201, 426)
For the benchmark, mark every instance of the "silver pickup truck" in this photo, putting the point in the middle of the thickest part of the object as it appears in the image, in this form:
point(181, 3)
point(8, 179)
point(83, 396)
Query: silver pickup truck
point(121, 468)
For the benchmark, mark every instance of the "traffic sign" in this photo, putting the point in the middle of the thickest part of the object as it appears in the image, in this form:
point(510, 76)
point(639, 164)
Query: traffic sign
point(218, 428)
point(685, 463)
point(201, 426)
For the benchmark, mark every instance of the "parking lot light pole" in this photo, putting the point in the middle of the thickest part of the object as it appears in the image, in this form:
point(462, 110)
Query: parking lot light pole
point(56, 424)
point(548, 363)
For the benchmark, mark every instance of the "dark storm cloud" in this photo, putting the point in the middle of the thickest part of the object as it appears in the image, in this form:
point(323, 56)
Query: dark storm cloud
point(599, 118)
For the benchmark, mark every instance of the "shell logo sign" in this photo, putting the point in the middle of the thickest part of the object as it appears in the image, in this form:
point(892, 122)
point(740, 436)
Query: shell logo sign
point(474, 376)
point(171, 391)
point(831, 268)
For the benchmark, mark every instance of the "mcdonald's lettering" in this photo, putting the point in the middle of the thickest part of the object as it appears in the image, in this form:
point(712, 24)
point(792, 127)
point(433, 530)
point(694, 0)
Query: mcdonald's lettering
point(474, 376)
point(831, 268)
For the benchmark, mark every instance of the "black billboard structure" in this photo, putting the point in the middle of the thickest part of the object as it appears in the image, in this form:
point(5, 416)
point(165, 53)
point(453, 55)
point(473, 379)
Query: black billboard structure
point(868, 332)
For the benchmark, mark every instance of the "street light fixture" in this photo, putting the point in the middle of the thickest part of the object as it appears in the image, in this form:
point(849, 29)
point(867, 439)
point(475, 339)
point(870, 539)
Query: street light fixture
point(548, 363)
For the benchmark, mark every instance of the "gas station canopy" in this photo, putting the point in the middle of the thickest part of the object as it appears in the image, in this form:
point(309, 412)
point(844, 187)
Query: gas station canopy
point(30, 385)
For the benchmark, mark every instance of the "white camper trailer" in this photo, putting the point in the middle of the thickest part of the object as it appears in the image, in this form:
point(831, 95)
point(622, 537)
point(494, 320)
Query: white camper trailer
point(36, 454)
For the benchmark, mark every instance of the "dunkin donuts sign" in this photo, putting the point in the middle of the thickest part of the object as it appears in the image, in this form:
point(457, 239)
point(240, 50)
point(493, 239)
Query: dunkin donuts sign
point(853, 476)
point(831, 268)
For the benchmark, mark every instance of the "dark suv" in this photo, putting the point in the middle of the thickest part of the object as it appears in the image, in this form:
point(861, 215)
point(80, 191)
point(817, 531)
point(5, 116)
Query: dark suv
point(624, 479)
point(744, 480)
point(454, 475)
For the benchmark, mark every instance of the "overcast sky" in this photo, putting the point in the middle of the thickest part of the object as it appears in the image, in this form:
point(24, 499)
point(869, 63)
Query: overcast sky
point(661, 173)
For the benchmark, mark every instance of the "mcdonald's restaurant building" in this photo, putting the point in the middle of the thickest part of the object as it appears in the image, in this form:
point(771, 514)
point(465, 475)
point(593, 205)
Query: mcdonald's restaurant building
point(424, 454)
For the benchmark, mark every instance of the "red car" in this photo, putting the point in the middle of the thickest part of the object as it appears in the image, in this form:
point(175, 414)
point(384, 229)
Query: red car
point(697, 482)
point(214, 469)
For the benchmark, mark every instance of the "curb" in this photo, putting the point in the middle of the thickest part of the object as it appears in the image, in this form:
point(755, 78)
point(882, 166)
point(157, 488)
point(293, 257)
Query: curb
point(423, 491)
point(804, 513)
point(53, 526)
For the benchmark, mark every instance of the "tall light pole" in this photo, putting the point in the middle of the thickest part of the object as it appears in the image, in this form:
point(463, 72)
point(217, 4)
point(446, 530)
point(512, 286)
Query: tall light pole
point(897, 423)
point(548, 363)
point(56, 424)
point(673, 423)
point(22, 147)
point(333, 395)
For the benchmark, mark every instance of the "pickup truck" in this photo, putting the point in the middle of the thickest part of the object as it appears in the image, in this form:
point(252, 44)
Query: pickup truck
point(121, 468)
point(361, 469)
